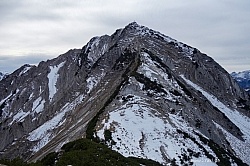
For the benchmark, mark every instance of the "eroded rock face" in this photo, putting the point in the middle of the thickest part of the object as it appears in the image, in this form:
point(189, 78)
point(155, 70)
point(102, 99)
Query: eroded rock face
point(159, 98)
point(3, 75)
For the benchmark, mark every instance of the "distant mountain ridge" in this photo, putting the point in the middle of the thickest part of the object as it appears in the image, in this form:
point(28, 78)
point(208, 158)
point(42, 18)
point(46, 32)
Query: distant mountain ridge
point(138, 91)
point(243, 78)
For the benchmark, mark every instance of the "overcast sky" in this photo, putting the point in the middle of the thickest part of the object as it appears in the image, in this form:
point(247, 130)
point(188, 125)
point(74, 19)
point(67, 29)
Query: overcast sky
point(32, 30)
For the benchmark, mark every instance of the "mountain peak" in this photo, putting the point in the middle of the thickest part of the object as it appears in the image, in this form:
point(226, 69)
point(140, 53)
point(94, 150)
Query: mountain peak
point(133, 24)
point(138, 91)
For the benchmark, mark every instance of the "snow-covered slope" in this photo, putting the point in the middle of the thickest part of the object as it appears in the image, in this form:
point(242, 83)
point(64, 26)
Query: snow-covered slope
point(142, 93)
point(141, 127)
point(155, 123)
point(243, 78)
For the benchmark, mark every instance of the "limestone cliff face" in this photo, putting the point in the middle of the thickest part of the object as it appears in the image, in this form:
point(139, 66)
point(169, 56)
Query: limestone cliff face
point(134, 73)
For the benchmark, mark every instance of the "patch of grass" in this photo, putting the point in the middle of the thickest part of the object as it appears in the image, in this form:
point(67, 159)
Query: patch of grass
point(84, 152)
point(107, 135)
point(50, 159)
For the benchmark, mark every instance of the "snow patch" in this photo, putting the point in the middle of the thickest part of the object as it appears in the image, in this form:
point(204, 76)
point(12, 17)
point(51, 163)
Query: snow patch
point(25, 70)
point(19, 117)
point(38, 105)
point(53, 76)
point(3, 100)
point(92, 81)
point(44, 133)
point(138, 132)
point(5, 113)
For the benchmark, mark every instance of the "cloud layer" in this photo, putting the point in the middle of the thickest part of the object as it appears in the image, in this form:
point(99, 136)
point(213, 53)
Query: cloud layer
point(32, 30)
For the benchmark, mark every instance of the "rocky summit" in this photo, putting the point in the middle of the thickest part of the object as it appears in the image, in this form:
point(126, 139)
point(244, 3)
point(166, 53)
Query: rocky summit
point(138, 91)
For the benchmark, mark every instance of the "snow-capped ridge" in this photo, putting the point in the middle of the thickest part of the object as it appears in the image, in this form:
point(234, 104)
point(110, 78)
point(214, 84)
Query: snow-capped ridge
point(243, 74)
point(243, 79)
